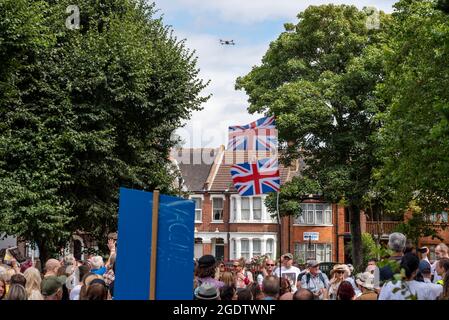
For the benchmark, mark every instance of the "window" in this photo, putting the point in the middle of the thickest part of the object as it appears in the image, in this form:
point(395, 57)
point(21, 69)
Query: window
point(319, 214)
point(198, 211)
point(246, 211)
point(257, 247)
point(270, 246)
point(234, 248)
point(244, 249)
point(315, 214)
point(234, 209)
point(257, 209)
point(322, 252)
point(198, 249)
point(217, 209)
point(328, 214)
point(438, 218)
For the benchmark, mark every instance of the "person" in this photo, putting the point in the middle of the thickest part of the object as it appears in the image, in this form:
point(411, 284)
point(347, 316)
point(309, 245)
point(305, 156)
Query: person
point(18, 279)
point(17, 292)
point(445, 294)
point(303, 294)
point(270, 288)
point(365, 282)
point(51, 268)
point(256, 290)
point(372, 264)
point(242, 277)
point(206, 272)
point(442, 267)
point(350, 278)
point(33, 284)
point(221, 268)
point(228, 292)
point(97, 265)
point(87, 280)
point(207, 291)
point(345, 291)
point(51, 288)
point(408, 287)
point(109, 275)
point(425, 275)
point(396, 242)
point(97, 290)
point(244, 294)
point(314, 280)
point(227, 278)
point(288, 271)
point(2, 288)
point(441, 252)
point(79, 274)
point(337, 277)
point(285, 293)
point(267, 270)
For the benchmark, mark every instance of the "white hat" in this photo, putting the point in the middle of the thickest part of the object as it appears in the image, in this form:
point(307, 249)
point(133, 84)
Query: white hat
point(366, 280)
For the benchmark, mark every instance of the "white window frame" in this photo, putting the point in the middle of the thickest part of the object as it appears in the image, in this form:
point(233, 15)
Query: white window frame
point(201, 198)
point(258, 253)
point(222, 197)
point(236, 210)
point(301, 250)
point(243, 253)
point(308, 215)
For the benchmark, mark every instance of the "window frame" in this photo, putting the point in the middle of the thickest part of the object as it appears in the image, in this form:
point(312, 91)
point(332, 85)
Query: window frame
point(213, 198)
point(309, 217)
point(201, 199)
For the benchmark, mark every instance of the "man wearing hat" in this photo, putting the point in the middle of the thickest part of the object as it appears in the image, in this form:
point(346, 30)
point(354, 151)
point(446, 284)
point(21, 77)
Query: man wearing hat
point(425, 270)
point(51, 287)
point(314, 280)
point(288, 271)
point(365, 282)
point(207, 291)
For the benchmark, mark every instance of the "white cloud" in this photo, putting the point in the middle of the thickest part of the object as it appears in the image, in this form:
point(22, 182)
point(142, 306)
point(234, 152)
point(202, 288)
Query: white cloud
point(250, 11)
point(223, 64)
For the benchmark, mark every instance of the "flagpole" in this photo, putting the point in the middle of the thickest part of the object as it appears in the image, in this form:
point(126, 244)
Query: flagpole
point(280, 240)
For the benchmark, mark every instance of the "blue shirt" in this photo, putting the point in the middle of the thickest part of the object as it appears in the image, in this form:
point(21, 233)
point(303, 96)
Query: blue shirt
point(100, 271)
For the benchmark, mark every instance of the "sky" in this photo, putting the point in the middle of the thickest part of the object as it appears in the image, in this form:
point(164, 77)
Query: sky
point(253, 25)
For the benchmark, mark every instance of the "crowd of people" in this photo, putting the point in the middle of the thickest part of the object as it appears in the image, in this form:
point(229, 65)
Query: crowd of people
point(419, 279)
point(64, 279)
point(93, 279)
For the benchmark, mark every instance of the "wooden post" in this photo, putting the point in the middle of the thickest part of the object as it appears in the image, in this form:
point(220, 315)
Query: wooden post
point(154, 229)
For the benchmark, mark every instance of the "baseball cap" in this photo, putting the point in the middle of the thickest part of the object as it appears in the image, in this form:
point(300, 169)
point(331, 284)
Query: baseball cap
point(51, 285)
point(288, 255)
point(424, 267)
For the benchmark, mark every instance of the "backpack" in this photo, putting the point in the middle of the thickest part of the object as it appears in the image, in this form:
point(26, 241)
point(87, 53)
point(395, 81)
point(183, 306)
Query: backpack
point(308, 277)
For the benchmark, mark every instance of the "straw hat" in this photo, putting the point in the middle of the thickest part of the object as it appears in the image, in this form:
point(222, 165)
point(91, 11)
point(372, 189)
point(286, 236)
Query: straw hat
point(339, 267)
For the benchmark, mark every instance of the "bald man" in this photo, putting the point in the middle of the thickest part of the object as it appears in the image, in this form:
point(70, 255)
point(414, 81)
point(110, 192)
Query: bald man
point(51, 267)
point(441, 251)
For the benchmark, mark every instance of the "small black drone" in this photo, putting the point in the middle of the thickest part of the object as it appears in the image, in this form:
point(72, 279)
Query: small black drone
point(227, 42)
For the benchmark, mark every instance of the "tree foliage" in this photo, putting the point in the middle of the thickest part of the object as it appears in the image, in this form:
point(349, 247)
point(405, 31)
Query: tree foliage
point(85, 112)
point(318, 78)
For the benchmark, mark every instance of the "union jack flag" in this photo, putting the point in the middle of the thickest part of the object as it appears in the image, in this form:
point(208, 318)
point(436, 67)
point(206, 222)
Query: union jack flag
point(260, 135)
point(256, 178)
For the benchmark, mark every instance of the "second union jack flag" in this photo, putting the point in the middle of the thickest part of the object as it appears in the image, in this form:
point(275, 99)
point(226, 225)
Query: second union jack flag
point(256, 178)
point(260, 135)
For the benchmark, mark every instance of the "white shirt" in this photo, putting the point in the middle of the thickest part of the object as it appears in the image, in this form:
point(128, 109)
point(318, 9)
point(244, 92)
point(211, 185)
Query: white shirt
point(291, 274)
point(436, 277)
point(422, 290)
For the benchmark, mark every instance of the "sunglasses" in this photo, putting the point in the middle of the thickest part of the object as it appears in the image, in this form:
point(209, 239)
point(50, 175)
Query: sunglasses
point(270, 265)
point(235, 266)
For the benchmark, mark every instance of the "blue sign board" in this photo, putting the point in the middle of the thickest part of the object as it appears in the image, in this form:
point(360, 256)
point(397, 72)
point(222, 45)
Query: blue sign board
point(174, 271)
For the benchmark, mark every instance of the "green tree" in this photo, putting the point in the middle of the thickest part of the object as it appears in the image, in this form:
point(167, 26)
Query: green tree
point(85, 112)
point(318, 79)
point(414, 144)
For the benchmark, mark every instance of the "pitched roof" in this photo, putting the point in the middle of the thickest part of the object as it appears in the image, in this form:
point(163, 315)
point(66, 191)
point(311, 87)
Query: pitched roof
point(195, 166)
point(222, 180)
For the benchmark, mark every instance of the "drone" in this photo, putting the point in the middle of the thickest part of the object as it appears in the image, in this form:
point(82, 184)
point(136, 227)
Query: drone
point(227, 42)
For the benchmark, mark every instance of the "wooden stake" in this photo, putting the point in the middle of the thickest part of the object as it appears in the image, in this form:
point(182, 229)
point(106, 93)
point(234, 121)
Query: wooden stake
point(154, 229)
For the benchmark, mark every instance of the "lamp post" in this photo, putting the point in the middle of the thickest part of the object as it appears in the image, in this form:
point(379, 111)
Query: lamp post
point(180, 183)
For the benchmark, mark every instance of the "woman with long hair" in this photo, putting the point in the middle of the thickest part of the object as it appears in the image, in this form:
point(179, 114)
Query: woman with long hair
point(338, 274)
point(345, 291)
point(33, 284)
point(227, 278)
